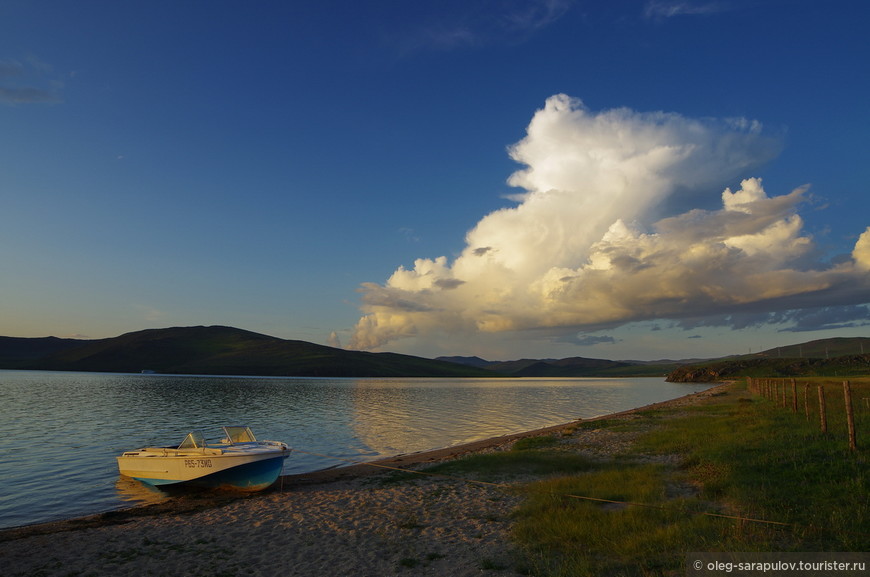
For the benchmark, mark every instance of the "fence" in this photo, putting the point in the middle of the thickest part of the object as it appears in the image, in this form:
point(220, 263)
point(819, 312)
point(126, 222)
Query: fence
point(786, 393)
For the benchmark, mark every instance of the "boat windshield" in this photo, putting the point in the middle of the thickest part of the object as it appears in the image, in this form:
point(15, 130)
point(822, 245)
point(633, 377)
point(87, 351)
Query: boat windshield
point(240, 435)
point(194, 440)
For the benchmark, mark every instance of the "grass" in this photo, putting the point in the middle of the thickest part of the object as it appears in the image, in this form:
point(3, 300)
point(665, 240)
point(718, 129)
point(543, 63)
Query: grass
point(743, 455)
point(762, 460)
point(738, 454)
point(540, 442)
point(561, 534)
point(538, 456)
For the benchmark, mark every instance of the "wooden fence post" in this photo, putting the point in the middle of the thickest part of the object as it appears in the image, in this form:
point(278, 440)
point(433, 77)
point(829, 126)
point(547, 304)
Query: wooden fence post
point(850, 416)
point(807, 400)
point(793, 396)
point(784, 400)
point(822, 415)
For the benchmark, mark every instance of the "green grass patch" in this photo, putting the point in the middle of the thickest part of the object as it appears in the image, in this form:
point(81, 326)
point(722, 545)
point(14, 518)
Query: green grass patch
point(502, 466)
point(562, 534)
point(765, 461)
point(614, 425)
point(740, 454)
point(530, 443)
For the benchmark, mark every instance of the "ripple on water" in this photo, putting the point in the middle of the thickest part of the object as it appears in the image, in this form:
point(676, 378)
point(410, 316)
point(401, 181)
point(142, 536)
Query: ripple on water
point(64, 430)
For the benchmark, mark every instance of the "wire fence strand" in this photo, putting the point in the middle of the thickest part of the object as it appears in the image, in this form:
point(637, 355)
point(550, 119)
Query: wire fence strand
point(506, 486)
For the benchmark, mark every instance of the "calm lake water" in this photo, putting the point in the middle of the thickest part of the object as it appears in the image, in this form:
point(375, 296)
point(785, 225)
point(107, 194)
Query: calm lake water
point(62, 431)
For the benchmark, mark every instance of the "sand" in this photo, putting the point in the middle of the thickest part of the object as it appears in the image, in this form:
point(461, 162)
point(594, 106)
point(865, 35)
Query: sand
point(352, 521)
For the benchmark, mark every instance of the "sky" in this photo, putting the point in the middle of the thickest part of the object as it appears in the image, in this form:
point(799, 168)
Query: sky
point(645, 179)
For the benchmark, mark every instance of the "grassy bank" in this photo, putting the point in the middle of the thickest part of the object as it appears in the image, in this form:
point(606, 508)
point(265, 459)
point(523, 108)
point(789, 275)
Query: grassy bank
point(737, 472)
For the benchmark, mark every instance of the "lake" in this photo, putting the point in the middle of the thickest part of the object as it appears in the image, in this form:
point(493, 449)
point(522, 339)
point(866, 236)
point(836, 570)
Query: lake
point(62, 431)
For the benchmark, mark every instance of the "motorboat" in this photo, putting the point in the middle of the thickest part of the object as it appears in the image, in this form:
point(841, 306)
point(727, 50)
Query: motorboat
point(239, 461)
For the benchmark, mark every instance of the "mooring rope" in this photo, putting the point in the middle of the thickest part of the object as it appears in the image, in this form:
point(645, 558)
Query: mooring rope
point(569, 495)
point(415, 472)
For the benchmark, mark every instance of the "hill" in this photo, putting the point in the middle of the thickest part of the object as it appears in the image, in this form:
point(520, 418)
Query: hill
point(836, 357)
point(820, 349)
point(21, 350)
point(568, 367)
point(220, 350)
point(826, 357)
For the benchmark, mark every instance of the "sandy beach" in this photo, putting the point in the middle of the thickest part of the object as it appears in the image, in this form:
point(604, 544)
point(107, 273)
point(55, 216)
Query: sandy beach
point(350, 521)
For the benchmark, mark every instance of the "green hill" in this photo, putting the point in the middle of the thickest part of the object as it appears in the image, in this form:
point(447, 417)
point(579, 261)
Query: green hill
point(568, 367)
point(220, 350)
point(836, 357)
point(15, 350)
point(820, 349)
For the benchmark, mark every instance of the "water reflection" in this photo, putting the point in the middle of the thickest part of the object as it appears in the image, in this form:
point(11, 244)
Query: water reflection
point(64, 430)
point(136, 493)
point(394, 416)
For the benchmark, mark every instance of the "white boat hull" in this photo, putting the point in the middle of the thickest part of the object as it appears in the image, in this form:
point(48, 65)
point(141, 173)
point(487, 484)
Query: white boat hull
point(249, 467)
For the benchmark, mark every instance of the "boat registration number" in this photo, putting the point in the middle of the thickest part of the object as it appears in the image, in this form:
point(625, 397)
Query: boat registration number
point(198, 463)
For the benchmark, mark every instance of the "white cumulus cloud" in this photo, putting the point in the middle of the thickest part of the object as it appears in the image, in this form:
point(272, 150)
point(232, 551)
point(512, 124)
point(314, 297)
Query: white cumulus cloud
point(615, 224)
point(861, 254)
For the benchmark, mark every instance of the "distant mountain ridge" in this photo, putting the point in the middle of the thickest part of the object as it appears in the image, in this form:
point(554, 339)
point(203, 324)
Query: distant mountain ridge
point(838, 356)
point(569, 367)
point(14, 349)
point(834, 356)
point(220, 350)
point(842, 366)
point(216, 350)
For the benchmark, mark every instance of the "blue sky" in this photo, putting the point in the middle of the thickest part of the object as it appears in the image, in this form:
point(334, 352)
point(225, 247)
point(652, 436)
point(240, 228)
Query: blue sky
point(538, 178)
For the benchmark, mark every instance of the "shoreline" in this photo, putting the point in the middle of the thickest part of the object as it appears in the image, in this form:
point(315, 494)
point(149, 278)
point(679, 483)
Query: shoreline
point(361, 469)
point(197, 502)
point(345, 521)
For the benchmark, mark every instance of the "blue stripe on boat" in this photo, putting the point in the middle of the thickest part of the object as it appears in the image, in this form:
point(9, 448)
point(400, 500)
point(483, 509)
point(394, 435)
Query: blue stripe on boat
point(254, 476)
